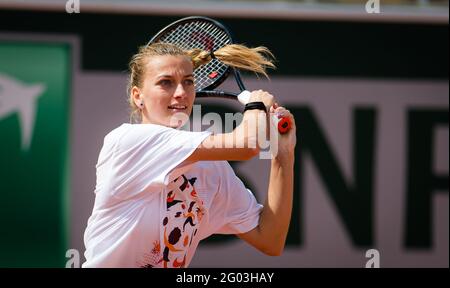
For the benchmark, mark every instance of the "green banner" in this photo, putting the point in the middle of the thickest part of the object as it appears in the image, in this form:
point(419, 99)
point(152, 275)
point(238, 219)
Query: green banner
point(35, 79)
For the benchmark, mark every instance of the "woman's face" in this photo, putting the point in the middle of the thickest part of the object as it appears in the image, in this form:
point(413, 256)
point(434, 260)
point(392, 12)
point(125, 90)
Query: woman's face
point(168, 91)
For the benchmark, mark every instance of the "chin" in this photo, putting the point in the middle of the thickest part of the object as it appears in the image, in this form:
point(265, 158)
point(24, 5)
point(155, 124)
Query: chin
point(174, 126)
point(178, 120)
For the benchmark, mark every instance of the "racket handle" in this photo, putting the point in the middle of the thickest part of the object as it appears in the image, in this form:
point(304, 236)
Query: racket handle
point(283, 124)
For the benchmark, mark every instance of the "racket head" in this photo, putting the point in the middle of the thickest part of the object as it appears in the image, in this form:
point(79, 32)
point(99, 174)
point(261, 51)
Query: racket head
point(203, 33)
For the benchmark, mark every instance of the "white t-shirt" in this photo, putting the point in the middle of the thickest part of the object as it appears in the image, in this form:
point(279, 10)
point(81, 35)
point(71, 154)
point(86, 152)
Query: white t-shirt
point(151, 210)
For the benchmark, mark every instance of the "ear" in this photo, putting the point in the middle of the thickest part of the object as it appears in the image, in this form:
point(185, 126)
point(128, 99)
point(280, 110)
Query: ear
point(136, 96)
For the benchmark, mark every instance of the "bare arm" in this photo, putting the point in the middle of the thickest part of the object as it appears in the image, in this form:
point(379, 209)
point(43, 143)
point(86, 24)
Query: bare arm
point(270, 235)
point(242, 143)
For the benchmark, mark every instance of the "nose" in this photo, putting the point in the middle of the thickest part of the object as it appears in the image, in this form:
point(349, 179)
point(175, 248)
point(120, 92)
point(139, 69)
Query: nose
point(180, 92)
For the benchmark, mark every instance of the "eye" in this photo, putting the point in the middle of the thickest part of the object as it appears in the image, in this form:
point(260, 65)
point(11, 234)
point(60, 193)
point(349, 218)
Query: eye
point(165, 82)
point(189, 82)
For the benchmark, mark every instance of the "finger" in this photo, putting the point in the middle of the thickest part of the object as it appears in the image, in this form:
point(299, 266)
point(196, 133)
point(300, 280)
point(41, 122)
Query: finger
point(284, 114)
point(280, 111)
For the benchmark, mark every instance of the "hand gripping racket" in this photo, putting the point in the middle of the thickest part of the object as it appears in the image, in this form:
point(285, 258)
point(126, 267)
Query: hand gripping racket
point(209, 35)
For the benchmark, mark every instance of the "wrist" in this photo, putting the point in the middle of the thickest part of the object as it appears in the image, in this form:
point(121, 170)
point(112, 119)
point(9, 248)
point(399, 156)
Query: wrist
point(255, 105)
point(284, 160)
point(253, 113)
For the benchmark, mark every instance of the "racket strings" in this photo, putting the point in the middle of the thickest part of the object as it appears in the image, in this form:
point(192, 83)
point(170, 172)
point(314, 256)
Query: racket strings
point(203, 35)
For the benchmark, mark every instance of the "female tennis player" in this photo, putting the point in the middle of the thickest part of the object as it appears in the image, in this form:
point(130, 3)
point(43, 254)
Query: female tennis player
point(160, 190)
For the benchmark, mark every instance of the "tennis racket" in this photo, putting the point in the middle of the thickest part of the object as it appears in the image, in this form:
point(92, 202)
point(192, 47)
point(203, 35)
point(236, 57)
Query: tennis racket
point(209, 35)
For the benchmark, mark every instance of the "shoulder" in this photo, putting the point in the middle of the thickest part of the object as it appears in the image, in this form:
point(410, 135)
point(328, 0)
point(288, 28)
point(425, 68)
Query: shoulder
point(140, 129)
point(111, 138)
point(134, 134)
point(118, 132)
point(148, 131)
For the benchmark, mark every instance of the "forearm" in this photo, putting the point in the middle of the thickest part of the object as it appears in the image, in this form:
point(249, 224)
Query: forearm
point(276, 214)
point(244, 142)
point(239, 145)
point(270, 235)
point(251, 132)
point(244, 137)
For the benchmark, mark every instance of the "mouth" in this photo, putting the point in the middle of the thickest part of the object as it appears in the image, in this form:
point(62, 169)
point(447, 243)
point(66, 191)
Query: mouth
point(177, 107)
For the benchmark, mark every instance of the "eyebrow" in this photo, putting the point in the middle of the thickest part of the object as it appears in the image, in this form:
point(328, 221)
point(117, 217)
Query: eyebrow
point(170, 76)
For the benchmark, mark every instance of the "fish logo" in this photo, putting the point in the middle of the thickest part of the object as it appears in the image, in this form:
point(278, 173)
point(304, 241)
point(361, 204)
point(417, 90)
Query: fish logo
point(18, 97)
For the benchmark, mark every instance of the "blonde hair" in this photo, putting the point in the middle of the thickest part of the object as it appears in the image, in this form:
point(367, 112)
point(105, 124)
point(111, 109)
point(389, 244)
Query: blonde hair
point(238, 56)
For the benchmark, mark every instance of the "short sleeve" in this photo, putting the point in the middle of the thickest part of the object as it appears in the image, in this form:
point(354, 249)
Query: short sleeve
point(234, 209)
point(150, 155)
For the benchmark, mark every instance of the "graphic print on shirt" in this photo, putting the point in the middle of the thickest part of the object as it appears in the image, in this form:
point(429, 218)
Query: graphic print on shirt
point(152, 259)
point(184, 212)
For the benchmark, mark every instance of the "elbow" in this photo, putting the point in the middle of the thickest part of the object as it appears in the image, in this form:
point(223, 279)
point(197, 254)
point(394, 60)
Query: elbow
point(273, 250)
point(276, 252)
point(252, 152)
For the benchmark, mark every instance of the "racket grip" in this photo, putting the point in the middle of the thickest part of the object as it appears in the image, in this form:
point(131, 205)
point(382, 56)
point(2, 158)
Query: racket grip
point(283, 124)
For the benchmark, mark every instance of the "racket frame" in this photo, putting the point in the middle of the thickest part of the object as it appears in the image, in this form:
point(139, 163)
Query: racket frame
point(209, 90)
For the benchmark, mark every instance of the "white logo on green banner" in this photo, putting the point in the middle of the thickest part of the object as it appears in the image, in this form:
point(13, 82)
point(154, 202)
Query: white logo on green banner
point(15, 97)
point(35, 84)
